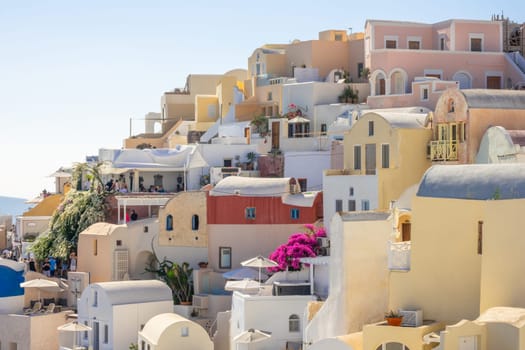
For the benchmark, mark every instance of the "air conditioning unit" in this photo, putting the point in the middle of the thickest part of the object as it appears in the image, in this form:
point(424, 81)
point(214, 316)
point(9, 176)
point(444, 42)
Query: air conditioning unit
point(411, 318)
point(323, 242)
point(322, 251)
point(200, 301)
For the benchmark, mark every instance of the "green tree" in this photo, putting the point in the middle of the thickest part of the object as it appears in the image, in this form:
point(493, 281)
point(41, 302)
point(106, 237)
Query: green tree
point(77, 211)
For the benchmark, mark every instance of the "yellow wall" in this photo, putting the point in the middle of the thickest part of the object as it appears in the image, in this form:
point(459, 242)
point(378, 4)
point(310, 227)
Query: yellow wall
point(202, 105)
point(444, 278)
point(408, 160)
point(412, 337)
point(503, 266)
point(182, 207)
point(99, 265)
point(412, 151)
point(46, 207)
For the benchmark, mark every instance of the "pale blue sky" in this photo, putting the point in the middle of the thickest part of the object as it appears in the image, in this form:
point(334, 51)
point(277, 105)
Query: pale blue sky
point(72, 74)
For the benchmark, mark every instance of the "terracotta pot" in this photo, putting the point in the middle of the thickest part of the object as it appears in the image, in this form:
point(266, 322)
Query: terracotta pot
point(185, 302)
point(394, 321)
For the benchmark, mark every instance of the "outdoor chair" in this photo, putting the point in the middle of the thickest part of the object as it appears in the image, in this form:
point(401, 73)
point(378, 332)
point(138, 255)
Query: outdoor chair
point(49, 309)
point(36, 308)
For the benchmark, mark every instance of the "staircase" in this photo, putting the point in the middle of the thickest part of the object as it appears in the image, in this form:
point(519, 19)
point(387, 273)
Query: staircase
point(518, 63)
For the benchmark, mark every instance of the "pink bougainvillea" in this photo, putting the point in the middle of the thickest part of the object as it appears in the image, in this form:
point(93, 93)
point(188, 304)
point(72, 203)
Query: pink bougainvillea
point(299, 245)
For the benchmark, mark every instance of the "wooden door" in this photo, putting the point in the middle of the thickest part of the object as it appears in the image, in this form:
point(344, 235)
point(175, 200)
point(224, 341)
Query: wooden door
point(370, 156)
point(493, 82)
point(382, 89)
point(405, 231)
point(275, 135)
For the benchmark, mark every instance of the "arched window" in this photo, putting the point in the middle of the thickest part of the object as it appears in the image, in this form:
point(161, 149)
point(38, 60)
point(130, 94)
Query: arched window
point(294, 323)
point(195, 222)
point(169, 223)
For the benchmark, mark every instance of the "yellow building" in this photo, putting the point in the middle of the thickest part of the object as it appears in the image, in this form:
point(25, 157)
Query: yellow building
point(466, 260)
point(204, 98)
point(390, 148)
point(462, 117)
point(183, 221)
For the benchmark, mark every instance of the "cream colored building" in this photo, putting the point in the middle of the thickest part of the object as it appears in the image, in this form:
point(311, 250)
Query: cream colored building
point(188, 221)
point(462, 117)
point(462, 263)
point(192, 109)
point(116, 252)
point(358, 292)
point(384, 154)
point(167, 331)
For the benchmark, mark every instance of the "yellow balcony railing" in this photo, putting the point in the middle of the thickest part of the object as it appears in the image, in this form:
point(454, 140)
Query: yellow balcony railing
point(443, 150)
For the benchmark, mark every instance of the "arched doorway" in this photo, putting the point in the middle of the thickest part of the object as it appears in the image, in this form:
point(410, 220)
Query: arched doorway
point(464, 80)
point(397, 83)
point(379, 81)
point(392, 346)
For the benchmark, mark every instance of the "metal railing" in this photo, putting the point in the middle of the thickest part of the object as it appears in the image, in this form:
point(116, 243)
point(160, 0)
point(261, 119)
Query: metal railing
point(443, 150)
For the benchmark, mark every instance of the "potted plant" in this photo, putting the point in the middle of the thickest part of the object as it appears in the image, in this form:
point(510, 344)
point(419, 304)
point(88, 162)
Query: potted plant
point(182, 279)
point(393, 318)
point(251, 156)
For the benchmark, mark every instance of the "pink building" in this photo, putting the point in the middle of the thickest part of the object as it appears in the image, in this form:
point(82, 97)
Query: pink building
point(467, 51)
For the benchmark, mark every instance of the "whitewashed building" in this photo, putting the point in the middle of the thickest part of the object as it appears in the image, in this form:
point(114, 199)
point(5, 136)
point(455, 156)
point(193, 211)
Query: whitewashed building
point(117, 311)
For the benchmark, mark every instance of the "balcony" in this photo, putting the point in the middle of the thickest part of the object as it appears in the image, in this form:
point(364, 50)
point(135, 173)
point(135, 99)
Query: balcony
point(399, 256)
point(444, 150)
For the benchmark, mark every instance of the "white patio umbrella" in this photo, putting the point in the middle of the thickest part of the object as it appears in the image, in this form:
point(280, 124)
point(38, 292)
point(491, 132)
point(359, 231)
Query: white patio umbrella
point(74, 327)
point(42, 284)
point(246, 285)
point(252, 336)
point(242, 273)
point(259, 262)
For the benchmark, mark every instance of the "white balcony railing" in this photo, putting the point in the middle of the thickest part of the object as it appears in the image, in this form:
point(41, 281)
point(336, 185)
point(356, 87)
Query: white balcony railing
point(399, 256)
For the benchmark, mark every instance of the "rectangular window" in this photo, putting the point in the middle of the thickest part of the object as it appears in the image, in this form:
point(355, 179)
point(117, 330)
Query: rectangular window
point(365, 205)
point(225, 257)
point(269, 96)
point(476, 44)
point(360, 68)
point(357, 157)
point(390, 44)
point(143, 345)
point(424, 94)
point(371, 128)
point(184, 331)
point(338, 37)
point(227, 162)
point(106, 334)
point(413, 45)
point(480, 237)
point(294, 213)
point(351, 205)
point(442, 44)
point(95, 298)
point(351, 191)
point(249, 213)
point(119, 242)
point(95, 247)
point(338, 205)
point(302, 184)
point(323, 129)
point(385, 156)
